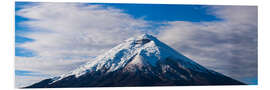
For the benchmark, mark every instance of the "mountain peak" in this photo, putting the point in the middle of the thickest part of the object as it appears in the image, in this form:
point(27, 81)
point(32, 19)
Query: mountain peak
point(143, 38)
point(136, 51)
point(145, 57)
point(146, 36)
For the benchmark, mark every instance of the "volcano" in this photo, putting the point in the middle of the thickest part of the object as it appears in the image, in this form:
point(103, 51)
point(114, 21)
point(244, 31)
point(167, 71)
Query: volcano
point(138, 61)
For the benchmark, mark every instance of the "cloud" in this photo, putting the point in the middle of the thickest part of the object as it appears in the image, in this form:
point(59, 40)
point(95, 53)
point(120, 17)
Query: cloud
point(66, 34)
point(76, 27)
point(228, 46)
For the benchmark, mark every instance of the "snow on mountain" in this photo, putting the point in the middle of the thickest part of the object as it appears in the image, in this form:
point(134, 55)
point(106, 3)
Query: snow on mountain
point(145, 57)
point(145, 48)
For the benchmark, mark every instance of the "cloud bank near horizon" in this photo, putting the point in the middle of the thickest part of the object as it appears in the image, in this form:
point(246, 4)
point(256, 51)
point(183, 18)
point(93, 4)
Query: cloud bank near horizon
point(66, 35)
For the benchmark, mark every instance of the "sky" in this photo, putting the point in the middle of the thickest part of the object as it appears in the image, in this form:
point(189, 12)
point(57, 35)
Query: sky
point(55, 38)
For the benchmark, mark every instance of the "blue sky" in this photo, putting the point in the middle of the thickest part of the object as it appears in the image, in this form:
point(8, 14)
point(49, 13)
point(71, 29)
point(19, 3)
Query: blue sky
point(165, 12)
point(40, 28)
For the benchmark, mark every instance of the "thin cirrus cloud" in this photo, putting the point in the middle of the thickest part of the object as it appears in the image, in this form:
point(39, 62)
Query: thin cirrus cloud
point(73, 31)
point(65, 35)
point(228, 46)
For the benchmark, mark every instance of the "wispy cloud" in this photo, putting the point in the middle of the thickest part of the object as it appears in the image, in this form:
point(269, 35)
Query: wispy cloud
point(74, 31)
point(228, 46)
point(65, 35)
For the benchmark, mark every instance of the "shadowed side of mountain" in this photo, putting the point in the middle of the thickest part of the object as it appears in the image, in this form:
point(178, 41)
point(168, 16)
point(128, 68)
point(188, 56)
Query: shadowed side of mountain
point(147, 76)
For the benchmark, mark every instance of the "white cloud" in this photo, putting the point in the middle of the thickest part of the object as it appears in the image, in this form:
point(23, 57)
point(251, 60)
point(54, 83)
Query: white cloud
point(76, 28)
point(228, 46)
point(68, 34)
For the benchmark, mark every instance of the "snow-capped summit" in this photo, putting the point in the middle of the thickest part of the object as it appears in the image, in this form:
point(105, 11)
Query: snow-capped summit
point(145, 49)
point(139, 61)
